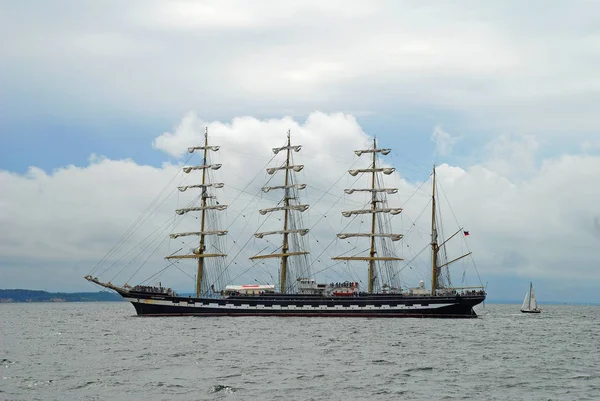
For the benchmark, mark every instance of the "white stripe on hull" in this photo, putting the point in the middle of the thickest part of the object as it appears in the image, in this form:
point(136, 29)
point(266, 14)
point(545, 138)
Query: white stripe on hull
point(246, 307)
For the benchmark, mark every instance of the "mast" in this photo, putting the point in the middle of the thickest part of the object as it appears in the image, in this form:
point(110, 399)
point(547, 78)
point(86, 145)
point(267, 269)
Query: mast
point(202, 235)
point(436, 268)
point(286, 204)
point(289, 187)
point(529, 298)
point(434, 244)
point(373, 210)
point(200, 252)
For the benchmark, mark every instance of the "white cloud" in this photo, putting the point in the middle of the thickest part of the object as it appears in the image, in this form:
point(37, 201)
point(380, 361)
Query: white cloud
point(512, 156)
point(443, 141)
point(543, 225)
point(486, 62)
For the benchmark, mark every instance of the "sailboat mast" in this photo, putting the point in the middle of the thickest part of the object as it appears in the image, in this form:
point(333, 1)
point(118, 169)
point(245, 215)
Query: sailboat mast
point(203, 219)
point(373, 207)
point(529, 297)
point(286, 204)
point(434, 244)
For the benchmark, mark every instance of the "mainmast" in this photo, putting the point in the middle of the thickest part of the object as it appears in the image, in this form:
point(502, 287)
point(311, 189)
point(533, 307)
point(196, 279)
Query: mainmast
point(200, 252)
point(373, 216)
point(289, 188)
point(373, 210)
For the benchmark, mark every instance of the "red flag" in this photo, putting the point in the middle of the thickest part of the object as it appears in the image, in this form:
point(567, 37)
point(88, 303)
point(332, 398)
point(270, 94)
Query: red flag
point(466, 233)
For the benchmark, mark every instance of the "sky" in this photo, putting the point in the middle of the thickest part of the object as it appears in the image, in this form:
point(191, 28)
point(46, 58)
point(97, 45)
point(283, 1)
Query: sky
point(98, 102)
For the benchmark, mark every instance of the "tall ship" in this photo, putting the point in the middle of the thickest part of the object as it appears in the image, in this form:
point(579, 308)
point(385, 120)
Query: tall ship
point(296, 291)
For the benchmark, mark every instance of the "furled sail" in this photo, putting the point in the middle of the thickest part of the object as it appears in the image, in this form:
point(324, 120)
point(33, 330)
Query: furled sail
point(393, 237)
point(384, 170)
point(215, 185)
point(297, 186)
point(299, 208)
point(273, 170)
point(186, 234)
point(192, 149)
point(295, 148)
point(302, 231)
point(389, 191)
point(382, 151)
point(390, 210)
point(200, 208)
point(189, 169)
point(196, 256)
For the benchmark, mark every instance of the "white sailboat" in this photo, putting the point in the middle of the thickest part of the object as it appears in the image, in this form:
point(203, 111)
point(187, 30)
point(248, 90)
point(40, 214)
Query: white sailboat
point(529, 303)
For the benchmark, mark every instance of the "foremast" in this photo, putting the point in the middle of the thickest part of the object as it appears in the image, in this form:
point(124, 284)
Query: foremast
point(289, 188)
point(373, 210)
point(200, 253)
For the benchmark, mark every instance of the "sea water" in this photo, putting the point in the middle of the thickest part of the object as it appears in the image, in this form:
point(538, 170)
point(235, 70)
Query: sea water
point(102, 351)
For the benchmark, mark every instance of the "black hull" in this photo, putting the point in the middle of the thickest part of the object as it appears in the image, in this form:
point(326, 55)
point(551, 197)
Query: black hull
point(391, 306)
point(530, 311)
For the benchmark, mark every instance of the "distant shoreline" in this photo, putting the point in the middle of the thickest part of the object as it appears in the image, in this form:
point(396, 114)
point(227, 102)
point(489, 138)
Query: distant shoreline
point(21, 295)
point(517, 302)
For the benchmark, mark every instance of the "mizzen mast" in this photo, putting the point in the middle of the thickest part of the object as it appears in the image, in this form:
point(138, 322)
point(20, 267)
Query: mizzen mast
point(436, 269)
point(434, 244)
point(205, 206)
point(373, 210)
point(289, 188)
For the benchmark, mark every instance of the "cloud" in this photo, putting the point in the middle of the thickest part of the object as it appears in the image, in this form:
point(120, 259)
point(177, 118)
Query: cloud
point(57, 225)
point(75, 214)
point(510, 155)
point(443, 141)
point(493, 64)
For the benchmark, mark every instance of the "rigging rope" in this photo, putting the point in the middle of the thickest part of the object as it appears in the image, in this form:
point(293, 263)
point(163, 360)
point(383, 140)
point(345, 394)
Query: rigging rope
point(129, 232)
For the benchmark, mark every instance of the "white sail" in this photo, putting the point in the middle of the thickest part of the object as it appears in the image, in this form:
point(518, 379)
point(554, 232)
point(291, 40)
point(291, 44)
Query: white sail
point(525, 305)
point(532, 301)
